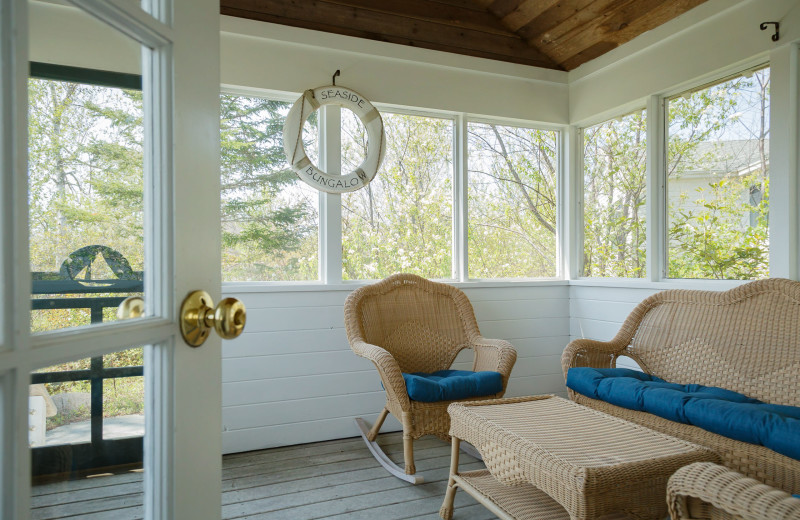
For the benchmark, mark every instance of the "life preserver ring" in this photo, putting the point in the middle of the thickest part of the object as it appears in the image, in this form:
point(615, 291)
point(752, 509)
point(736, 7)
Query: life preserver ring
point(295, 151)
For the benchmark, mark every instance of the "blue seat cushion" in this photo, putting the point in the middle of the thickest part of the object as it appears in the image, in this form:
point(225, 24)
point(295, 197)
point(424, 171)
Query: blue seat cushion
point(449, 385)
point(714, 409)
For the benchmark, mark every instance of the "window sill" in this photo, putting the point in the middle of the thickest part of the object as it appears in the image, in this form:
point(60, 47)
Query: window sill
point(626, 283)
point(620, 283)
point(270, 287)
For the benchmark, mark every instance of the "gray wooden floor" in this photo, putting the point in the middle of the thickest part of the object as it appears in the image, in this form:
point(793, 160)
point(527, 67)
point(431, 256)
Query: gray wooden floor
point(333, 479)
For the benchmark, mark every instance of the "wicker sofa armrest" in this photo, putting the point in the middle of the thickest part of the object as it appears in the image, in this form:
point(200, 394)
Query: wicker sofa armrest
point(591, 353)
point(713, 491)
point(494, 354)
point(389, 370)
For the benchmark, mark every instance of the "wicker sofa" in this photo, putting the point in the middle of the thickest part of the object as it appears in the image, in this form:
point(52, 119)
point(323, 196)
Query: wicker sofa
point(746, 340)
point(707, 491)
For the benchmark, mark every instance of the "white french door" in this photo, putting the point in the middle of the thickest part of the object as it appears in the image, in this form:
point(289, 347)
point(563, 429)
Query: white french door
point(107, 189)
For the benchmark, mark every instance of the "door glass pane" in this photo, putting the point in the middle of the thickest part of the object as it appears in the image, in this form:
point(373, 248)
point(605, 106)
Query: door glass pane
point(86, 181)
point(86, 427)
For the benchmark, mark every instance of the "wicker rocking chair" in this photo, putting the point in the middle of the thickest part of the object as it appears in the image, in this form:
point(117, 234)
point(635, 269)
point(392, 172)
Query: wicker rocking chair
point(407, 324)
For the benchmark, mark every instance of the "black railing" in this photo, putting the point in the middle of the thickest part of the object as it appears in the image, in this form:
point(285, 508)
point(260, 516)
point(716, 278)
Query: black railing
point(98, 452)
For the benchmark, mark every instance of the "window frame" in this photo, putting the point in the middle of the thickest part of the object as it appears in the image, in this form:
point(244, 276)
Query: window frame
point(656, 207)
point(561, 181)
point(580, 227)
point(661, 238)
point(455, 242)
point(330, 236)
point(284, 97)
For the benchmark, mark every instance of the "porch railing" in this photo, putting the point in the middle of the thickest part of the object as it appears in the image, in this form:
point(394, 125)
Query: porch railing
point(98, 452)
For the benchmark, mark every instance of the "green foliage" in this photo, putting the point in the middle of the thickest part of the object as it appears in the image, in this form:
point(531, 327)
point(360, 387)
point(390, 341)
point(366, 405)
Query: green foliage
point(85, 171)
point(269, 218)
point(402, 220)
point(512, 201)
point(716, 239)
point(718, 181)
point(614, 197)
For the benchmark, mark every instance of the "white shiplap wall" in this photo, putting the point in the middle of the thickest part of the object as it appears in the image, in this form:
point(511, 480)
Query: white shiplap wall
point(597, 312)
point(598, 307)
point(291, 377)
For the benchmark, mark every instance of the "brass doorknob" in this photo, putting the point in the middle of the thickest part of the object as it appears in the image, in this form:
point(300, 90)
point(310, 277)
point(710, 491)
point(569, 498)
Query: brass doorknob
point(198, 316)
point(131, 307)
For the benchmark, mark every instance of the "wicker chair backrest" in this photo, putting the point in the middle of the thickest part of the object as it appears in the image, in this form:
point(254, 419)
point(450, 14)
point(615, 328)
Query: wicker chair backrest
point(423, 324)
point(746, 339)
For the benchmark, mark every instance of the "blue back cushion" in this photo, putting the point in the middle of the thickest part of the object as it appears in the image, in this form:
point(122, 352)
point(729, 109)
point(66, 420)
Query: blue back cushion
point(449, 385)
point(717, 410)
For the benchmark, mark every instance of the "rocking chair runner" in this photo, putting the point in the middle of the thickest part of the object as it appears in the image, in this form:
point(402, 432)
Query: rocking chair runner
point(407, 324)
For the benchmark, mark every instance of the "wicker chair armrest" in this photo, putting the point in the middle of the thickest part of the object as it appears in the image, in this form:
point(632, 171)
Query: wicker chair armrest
point(497, 355)
point(728, 491)
point(590, 353)
point(389, 370)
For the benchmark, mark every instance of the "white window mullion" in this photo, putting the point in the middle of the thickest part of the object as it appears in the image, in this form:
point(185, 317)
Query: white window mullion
point(656, 199)
point(330, 213)
point(460, 195)
point(784, 143)
point(570, 205)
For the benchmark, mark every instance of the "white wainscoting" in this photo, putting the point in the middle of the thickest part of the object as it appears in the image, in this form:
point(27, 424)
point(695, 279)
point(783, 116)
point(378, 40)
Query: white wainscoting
point(597, 312)
point(291, 378)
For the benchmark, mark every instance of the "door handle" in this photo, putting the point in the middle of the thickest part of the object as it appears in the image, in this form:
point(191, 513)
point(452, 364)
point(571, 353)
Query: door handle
point(131, 307)
point(198, 316)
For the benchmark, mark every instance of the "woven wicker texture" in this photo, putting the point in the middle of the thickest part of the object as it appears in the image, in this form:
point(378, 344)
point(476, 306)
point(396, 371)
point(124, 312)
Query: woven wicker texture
point(406, 323)
point(523, 502)
point(705, 491)
point(745, 339)
point(589, 462)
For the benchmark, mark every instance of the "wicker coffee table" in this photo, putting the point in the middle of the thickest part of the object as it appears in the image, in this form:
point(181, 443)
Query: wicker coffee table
point(550, 458)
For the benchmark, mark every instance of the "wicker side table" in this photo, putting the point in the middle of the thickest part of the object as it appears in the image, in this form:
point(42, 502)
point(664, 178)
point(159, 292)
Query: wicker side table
point(570, 461)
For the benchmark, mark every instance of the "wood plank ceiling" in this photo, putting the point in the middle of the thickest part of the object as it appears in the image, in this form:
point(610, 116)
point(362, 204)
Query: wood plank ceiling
point(553, 34)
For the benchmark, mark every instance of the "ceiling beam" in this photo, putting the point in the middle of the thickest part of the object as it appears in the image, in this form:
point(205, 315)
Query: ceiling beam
point(419, 23)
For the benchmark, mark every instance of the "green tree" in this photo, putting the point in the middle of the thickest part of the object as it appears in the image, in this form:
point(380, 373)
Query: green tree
point(720, 229)
point(512, 201)
point(269, 217)
point(614, 174)
point(402, 220)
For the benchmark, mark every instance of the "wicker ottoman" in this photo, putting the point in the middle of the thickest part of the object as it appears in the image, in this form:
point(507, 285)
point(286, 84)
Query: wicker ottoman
point(548, 457)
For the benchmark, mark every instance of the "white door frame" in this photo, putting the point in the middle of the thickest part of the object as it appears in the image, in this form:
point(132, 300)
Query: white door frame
point(183, 397)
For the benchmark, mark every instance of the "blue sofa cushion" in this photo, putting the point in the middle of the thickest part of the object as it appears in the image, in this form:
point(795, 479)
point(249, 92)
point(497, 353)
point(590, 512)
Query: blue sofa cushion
point(449, 385)
point(717, 410)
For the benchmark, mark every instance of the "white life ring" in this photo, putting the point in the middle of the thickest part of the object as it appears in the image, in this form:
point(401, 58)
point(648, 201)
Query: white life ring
point(295, 151)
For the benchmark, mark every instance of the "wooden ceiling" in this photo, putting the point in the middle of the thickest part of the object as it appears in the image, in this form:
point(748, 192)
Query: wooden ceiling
point(554, 34)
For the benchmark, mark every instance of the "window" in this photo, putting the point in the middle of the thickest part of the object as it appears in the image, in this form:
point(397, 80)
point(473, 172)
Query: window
point(512, 201)
point(402, 221)
point(85, 182)
point(614, 172)
point(85, 189)
point(718, 180)
point(270, 218)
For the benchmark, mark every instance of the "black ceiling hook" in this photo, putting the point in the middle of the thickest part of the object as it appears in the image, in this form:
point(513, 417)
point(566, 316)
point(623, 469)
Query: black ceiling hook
point(777, 35)
point(337, 73)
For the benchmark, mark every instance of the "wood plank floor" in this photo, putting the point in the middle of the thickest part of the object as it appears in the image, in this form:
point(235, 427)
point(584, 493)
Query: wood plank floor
point(334, 479)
